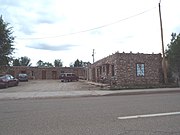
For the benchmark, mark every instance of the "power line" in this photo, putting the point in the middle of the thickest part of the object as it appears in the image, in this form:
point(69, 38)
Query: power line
point(91, 29)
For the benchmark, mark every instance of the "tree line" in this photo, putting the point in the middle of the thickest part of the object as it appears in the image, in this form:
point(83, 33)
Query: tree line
point(25, 61)
point(173, 58)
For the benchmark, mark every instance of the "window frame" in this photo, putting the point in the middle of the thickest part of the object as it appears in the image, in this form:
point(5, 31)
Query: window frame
point(140, 69)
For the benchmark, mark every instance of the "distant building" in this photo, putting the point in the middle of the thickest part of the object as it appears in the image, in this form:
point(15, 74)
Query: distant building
point(44, 72)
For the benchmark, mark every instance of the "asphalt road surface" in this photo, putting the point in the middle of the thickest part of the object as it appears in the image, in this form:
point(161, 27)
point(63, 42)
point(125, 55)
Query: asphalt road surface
point(156, 114)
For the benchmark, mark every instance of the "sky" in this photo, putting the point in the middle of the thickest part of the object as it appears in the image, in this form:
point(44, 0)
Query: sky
point(70, 29)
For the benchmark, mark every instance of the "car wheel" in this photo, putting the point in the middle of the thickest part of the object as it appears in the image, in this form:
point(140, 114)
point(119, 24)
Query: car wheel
point(6, 85)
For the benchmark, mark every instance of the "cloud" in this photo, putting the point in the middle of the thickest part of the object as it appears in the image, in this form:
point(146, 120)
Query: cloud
point(45, 20)
point(19, 18)
point(43, 46)
point(33, 22)
point(177, 29)
point(26, 29)
point(96, 32)
point(45, 17)
point(9, 3)
point(27, 17)
point(48, 16)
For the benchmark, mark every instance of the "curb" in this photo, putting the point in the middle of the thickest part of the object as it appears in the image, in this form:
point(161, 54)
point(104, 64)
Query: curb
point(93, 93)
point(143, 93)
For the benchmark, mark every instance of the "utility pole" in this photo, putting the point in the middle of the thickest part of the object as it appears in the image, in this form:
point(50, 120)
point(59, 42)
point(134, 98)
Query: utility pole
point(162, 40)
point(93, 55)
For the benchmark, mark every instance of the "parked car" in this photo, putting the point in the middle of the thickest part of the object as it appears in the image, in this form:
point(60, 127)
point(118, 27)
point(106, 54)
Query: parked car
point(22, 77)
point(7, 81)
point(68, 77)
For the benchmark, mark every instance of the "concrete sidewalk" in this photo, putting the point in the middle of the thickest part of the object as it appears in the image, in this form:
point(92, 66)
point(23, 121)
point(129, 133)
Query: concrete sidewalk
point(85, 93)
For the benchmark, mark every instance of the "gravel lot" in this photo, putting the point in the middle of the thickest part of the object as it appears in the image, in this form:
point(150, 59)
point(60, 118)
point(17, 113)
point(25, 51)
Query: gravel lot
point(50, 85)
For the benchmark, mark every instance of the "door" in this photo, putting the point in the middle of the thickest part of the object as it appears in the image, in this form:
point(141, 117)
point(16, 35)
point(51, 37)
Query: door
point(93, 75)
point(44, 74)
point(54, 74)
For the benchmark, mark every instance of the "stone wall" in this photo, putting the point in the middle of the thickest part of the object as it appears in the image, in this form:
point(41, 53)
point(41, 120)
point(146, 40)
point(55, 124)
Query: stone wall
point(128, 69)
point(122, 69)
point(44, 72)
point(103, 68)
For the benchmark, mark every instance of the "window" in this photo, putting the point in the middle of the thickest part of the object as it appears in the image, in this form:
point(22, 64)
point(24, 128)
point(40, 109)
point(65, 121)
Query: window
point(23, 72)
point(32, 73)
point(140, 69)
point(8, 77)
point(100, 68)
point(69, 74)
point(107, 69)
point(112, 70)
point(103, 68)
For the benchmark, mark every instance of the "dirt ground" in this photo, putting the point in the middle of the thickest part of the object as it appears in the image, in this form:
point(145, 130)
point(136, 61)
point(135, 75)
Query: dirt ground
point(50, 85)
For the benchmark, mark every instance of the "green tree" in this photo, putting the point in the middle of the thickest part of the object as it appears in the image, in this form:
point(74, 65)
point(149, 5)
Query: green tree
point(6, 43)
point(16, 62)
point(58, 63)
point(173, 54)
point(40, 63)
point(47, 64)
point(25, 61)
point(85, 64)
point(78, 63)
point(71, 65)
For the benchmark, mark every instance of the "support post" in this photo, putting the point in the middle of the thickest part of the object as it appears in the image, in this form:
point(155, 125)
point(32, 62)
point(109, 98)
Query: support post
point(163, 53)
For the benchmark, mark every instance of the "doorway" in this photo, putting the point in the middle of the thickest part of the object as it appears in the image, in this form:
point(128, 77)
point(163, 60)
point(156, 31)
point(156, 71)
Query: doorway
point(43, 74)
point(54, 74)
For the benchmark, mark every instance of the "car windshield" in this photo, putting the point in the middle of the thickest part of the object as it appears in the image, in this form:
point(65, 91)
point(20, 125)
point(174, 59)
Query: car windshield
point(23, 75)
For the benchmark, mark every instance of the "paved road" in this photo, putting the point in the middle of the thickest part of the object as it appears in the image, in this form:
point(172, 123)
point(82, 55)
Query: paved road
point(91, 116)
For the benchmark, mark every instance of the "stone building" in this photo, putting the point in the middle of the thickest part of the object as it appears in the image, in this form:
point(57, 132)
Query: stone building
point(44, 72)
point(120, 69)
point(127, 69)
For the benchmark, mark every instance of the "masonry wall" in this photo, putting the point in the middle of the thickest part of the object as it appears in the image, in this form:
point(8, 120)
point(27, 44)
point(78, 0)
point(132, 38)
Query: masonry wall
point(126, 69)
point(102, 69)
point(44, 72)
